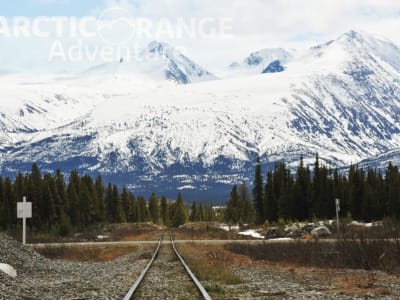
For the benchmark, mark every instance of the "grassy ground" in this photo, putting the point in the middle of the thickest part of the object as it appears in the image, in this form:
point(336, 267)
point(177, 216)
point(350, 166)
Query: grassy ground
point(110, 232)
point(354, 253)
point(89, 254)
point(211, 264)
point(204, 231)
point(217, 267)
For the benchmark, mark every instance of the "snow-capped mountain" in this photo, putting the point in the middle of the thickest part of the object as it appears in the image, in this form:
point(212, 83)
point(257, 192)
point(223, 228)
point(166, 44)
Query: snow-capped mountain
point(258, 62)
point(157, 61)
point(340, 99)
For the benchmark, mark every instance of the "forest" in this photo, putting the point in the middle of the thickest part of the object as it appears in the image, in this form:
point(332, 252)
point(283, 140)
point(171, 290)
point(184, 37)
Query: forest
point(306, 194)
point(66, 205)
point(61, 206)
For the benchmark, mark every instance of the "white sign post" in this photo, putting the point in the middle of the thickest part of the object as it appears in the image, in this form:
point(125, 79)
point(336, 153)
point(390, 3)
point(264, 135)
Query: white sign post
point(337, 201)
point(24, 211)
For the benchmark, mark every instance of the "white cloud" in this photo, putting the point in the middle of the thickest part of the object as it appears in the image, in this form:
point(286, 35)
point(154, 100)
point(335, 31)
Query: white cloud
point(271, 23)
point(260, 24)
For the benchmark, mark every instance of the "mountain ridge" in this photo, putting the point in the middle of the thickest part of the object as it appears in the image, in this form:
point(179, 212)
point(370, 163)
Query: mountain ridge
point(340, 99)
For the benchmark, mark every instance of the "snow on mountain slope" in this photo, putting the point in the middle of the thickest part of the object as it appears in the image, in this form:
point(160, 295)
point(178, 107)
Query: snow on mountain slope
point(382, 160)
point(340, 99)
point(157, 61)
point(258, 61)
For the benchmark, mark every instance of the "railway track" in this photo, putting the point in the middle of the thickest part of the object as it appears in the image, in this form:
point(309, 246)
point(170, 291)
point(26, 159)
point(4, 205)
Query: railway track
point(167, 276)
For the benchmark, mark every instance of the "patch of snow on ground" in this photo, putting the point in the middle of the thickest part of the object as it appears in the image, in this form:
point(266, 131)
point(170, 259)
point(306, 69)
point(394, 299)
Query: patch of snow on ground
point(252, 233)
point(228, 228)
point(9, 270)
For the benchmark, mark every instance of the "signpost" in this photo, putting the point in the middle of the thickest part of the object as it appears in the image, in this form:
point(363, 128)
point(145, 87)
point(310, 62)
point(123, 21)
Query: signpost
point(24, 211)
point(337, 201)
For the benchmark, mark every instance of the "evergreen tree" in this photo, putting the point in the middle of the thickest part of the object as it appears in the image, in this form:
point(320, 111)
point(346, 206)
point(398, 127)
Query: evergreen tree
point(393, 191)
point(165, 211)
point(34, 195)
point(4, 213)
point(118, 213)
point(233, 207)
point(270, 202)
point(248, 213)
point(9, 203)
point(126, 203)
point(258, 196)
point(100, 196)
point(154, 208)
point(180, 215)
point(302, 192)
point(47, 211)
point(194, 213)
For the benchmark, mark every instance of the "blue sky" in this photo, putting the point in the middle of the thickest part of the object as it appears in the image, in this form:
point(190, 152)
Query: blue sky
point(33, 8)
point(257, 24)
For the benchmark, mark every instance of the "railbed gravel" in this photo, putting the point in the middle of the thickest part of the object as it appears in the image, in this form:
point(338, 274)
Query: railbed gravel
point(42, 278)
point(167, 279)
point(277, 283)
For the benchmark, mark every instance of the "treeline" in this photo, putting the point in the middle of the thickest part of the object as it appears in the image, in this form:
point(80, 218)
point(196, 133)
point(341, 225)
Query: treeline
point(365, 194)
point(63, 208)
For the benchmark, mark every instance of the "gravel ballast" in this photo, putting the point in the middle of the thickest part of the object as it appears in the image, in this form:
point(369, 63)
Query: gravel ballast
point(42, 278)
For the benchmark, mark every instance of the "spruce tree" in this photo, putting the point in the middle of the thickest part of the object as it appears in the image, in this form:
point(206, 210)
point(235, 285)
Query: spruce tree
point(165, 211)
point(180, 216)
point(154, 209)
point(247, 213)
point(234, 207)
point(270, 202)
point(258, 196)
point(194, 212)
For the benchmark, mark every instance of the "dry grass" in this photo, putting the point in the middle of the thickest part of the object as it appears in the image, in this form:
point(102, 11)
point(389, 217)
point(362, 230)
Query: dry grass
point(204, 231)
point(354, 253)
point(210, 263)
point(92, 254)
point(133, 232)
point(362, 285)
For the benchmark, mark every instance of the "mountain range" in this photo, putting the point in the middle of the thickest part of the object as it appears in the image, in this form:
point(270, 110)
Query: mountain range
point(166, 124)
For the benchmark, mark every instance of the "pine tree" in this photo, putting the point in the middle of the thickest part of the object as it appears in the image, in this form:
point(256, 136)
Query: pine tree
point(248, 213)
point(270, 202)
point(118, 213)
point(233, 207)
point(393, 191)
point(34, 195)
point(258, 196)
point(194, 212)
point(100, 196)
point(9, 203)
point(126, 203)
point(73, 199)
point(301, 192)
point(64, 205)
point(47, 212)
point(165, 211)
point(154, 208)
point(142, 210)
point(180, 216)
point(4, 214)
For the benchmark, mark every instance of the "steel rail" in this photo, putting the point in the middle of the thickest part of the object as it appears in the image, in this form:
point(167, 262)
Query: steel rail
point(199, 286)
point(138, 281)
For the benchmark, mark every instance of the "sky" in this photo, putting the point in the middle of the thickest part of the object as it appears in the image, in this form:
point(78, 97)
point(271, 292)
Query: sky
point(255, 24)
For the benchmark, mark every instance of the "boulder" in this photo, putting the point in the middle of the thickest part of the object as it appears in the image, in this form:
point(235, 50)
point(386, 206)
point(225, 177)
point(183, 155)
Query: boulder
point(297, 234)
point(274, 233)
point(308, 228)
point(321, 231)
